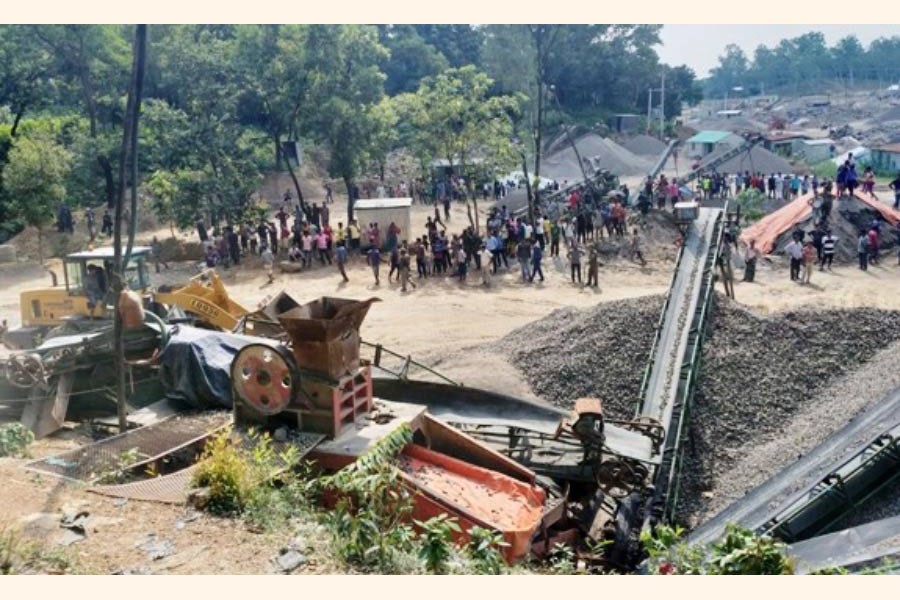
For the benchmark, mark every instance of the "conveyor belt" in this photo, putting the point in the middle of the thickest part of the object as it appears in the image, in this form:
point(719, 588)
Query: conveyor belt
point(857, 453)
point(848, 547)
point(668, 385)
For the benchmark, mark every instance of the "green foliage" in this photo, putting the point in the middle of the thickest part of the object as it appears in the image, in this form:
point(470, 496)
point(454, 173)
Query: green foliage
point(15, 439)
point(562, 560)
point(369, 523)
point(485, 550)
point(751, 203)
point(241, 473)
point(739, 552)
point(437, 542)
point(115, 471)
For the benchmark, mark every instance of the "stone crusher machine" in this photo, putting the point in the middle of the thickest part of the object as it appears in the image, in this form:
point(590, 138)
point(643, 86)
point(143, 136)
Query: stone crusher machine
point(313, 384)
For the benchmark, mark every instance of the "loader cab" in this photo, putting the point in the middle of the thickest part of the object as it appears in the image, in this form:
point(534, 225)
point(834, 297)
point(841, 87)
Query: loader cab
point(78, 267)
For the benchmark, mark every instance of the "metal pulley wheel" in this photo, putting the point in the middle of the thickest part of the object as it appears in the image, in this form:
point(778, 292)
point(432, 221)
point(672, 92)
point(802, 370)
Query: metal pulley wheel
point(25, 370)
point(264, 378)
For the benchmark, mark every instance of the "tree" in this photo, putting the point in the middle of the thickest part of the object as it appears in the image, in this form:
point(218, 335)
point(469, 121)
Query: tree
point(731, 70)
point(849, 56)
point(411, 58)
point(91, 62)
point(346, 84)
point(384, 135)
point(34, 179)
point(456, 119)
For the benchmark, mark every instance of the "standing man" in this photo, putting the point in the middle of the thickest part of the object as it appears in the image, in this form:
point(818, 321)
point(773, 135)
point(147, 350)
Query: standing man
point(750, 262)
point(574, 256)
point(862, 250)
point(404, 270)
point(794, 250)
point(523, 253)
point(340, 257)
point(329, 198)
point(375, 262)
point(828, 244)
point(809, 259)
point(895, 185)
point(90, 219)
point(269, 261)
point(593, 264)
point(537, 254)
point(636, 247)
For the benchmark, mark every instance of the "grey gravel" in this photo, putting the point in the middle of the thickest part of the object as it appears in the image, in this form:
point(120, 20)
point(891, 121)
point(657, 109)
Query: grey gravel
point(775, 386)
point(771, 386)
point(598, 352)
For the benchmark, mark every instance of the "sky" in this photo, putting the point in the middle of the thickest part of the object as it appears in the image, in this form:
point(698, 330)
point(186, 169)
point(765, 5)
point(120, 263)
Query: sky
point(699, 46)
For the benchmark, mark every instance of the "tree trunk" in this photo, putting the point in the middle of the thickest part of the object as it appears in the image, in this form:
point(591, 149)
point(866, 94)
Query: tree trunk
point(528, 188)
point(40, 245)
point(16, 119)
point(110, 187)
point(348, 183)
point(287, 163)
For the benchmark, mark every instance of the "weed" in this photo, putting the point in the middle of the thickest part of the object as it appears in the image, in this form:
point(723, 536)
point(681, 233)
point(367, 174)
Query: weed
point(116, 470)
point(562, 559)
point(739, 552)
point(436, 545)
point(14, 440)
point(20, 556)
point(485, 551)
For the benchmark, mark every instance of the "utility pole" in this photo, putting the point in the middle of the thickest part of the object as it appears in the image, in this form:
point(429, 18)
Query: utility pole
point(649, 108)
point(662, 107)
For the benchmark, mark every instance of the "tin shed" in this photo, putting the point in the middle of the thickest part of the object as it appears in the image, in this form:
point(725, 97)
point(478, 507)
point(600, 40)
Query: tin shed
point(383, 211)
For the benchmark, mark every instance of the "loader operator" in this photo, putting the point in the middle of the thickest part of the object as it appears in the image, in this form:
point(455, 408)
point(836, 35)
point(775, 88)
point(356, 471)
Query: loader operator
point(94, 287)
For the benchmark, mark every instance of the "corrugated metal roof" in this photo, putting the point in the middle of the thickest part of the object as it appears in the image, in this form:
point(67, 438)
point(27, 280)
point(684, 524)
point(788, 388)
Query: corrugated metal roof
point(709, 137)
point(107, 252)
point(382, 203)
point(892, 148)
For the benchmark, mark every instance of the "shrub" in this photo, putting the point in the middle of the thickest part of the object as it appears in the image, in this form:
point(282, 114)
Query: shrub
point(437, 542)
point(484, 551)
point(739, 552)
point(15, 439)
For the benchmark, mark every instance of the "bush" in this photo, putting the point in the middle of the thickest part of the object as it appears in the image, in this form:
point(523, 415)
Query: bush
point(248, 475)
point(485, 552)
point(739, 552)
point(15, 439)
point(437, 542)
point(751, 203)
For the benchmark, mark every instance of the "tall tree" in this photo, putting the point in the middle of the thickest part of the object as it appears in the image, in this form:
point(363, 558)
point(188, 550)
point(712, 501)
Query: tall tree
point(457, 119)
point(345, 86)
point(411, 58)
point(35, 181)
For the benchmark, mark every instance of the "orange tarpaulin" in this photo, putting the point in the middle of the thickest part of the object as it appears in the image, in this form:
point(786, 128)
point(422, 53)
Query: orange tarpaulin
point(767, 230)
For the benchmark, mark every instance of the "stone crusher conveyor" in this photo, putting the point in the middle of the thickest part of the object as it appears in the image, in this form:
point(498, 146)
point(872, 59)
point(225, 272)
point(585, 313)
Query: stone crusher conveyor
point(661, 161)
point(804, 499)
point(671, 373)
point(603, 181)
point(749, 141)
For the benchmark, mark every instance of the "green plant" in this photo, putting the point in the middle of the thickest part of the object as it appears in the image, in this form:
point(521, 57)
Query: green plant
point(562, 559)
point(369, 522)
point(242, 473)
point(739, 552)
point(485, 550)
point(115, 470)
point(15, 439)
point(751, 203)
point(437, 542)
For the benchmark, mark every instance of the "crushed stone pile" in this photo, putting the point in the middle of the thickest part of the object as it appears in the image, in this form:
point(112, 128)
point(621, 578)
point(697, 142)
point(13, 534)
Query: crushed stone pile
point(758, 159)
point(775, 380)
point(644, 145)
point(598, 352)
point(771, 386)
point(601, 152)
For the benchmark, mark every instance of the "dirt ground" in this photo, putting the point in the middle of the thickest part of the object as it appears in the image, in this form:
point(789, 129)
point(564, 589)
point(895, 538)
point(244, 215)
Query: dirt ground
point(442, 322)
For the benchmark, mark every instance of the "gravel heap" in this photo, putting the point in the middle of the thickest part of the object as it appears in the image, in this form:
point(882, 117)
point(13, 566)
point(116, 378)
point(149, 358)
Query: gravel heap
point(644, 145)
point(758, 159)
point(601, 152)
point(775, 383)
point(598, 352)
point(771, 387)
